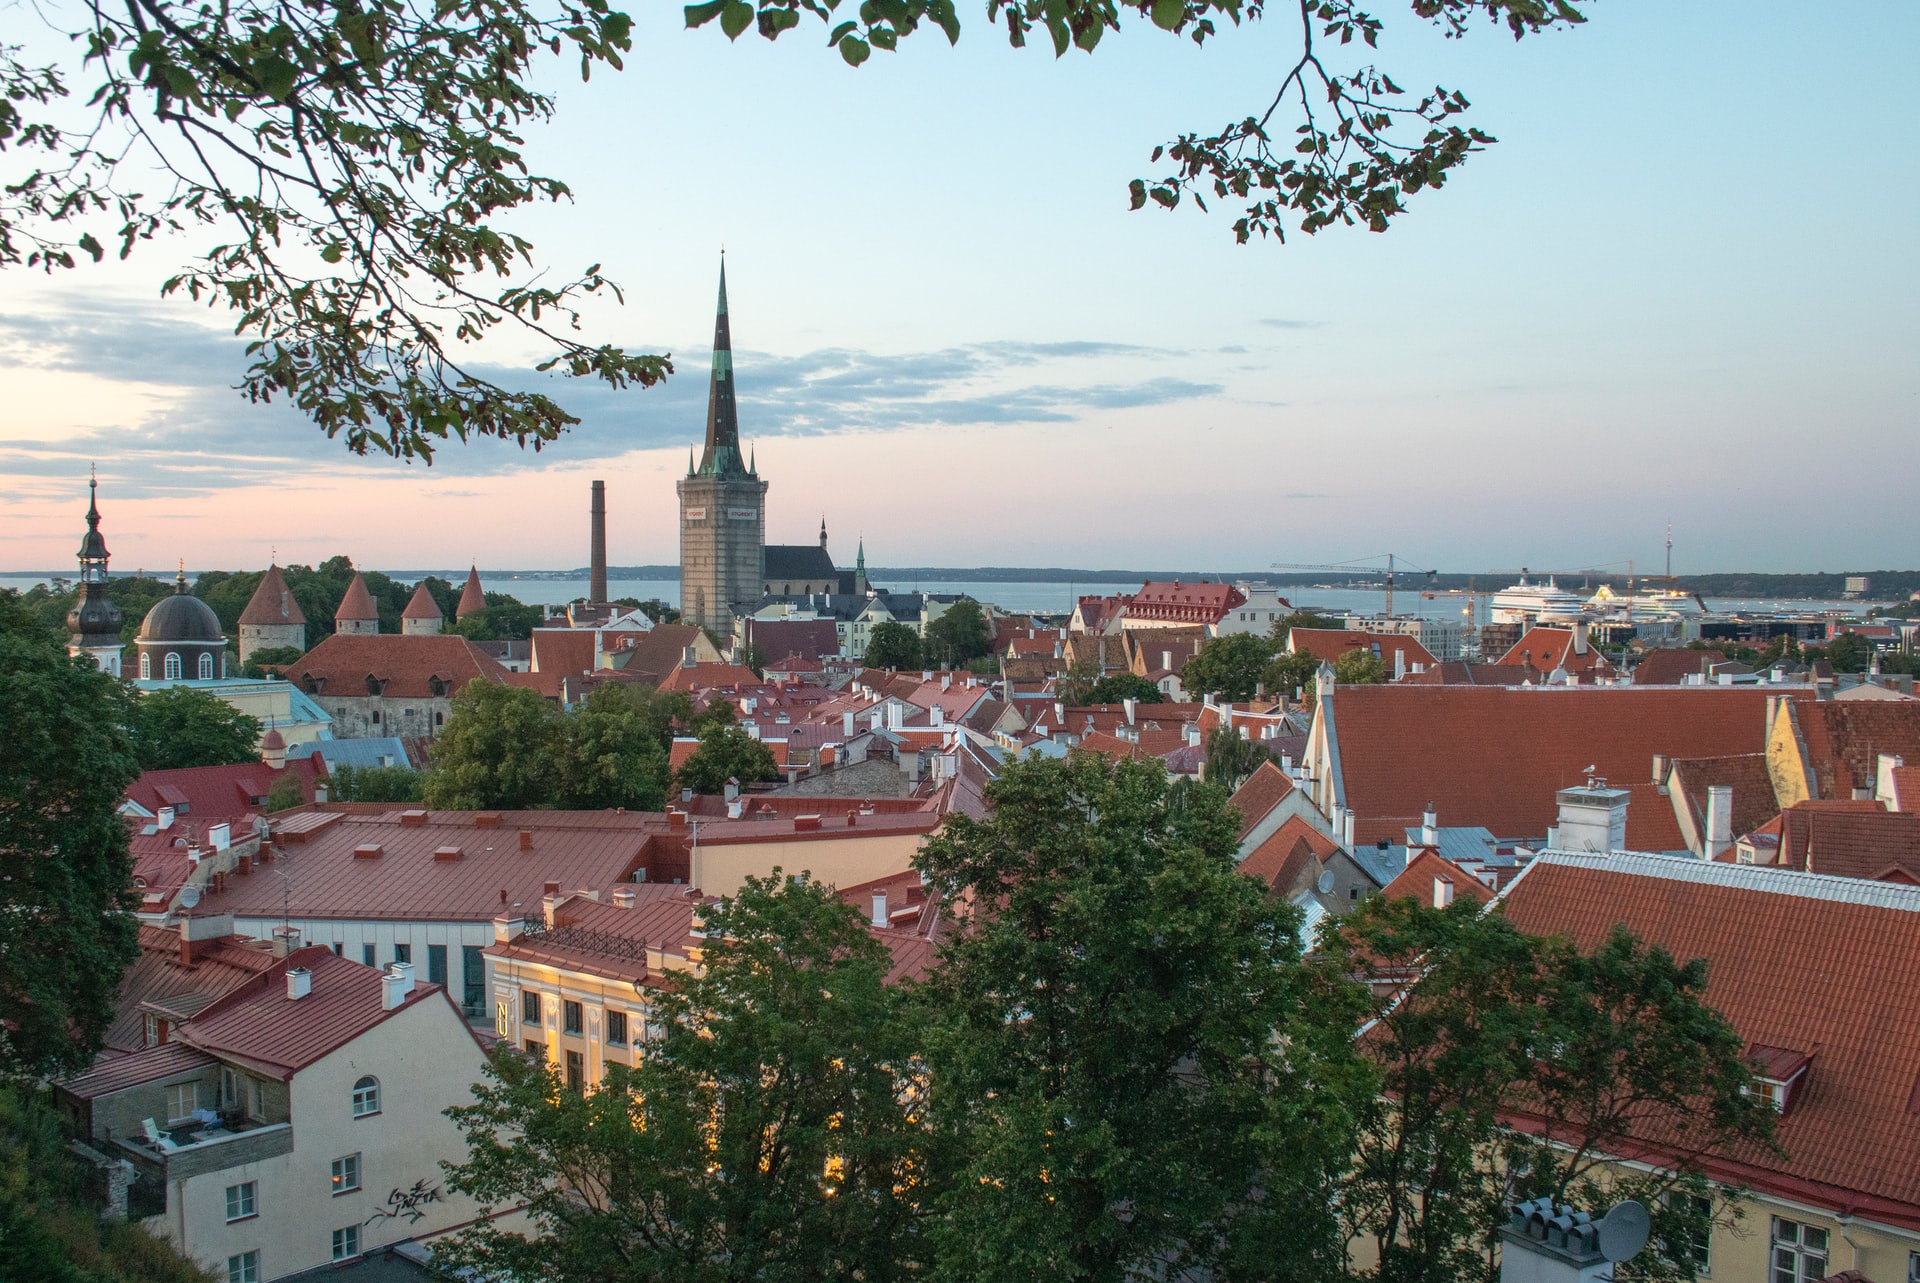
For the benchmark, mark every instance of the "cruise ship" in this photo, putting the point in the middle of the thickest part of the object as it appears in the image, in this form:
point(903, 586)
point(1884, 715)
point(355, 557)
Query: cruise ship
point(1649, 604)
point(1526, 603)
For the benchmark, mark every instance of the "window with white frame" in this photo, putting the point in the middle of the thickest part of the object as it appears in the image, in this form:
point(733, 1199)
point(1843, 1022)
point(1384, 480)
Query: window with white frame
point(1913, 1267)
point(366, 1096)
point(171, 666)
point(1799, 1252)
point(243, 1267)
point(182, 1100)
point(243, 1201)
point(1694, 1243)
point(346, 1243)
point(346, 1174)
point(206, 666)
point(146, 668)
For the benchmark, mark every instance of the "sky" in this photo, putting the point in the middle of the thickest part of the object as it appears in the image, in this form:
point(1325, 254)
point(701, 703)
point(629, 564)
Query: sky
point(1684, 286)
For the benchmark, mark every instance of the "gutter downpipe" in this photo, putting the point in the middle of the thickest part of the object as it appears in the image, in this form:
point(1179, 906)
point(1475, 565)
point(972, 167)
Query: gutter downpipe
point(1845, 1221)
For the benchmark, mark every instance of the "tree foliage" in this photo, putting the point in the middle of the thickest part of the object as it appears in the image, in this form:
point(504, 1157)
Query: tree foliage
point(1115, 687)
point(775, 1130)
point(615, 749)
point(374, 784)
point(1136, 1070)
point(1360, 668)
point(1230, 667)
point(726, 753)
point(1231, 757)
point(499, 749)
point(182, 726)
point(892, 646)
point(1337, 142)
point(66, 880)
point(960, 635)
point(1291, 674)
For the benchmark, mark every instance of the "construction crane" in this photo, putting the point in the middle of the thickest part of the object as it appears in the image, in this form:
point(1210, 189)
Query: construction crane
point(1358, 564)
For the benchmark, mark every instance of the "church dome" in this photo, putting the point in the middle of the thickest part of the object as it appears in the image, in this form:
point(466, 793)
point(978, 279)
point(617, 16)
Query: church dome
point(182, 618)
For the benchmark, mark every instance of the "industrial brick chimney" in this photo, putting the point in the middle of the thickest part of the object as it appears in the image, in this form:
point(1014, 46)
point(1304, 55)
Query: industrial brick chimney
point(597, 576)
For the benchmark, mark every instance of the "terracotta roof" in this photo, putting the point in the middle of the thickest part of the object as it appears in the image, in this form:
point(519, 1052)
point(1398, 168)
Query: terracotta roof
point(1454, 672)
point(1201, 602)
point(260, 1026)
point(1744, 773)
point(1864, 843)
point(1846, 738)
point(422, 605)
point(1283, 858)
point(782, 639)
point(472, 598)
point(159, 977)
point(1426, 869)
point(341, 664)
point(1550, 648)
point(567, 652)
point(326, 872)
point(271, 602)
point(709, 677)
point(1669, 666)
point(1906, 788)
point(1495, 756)
point(1259, 793)
point(655, 654)
point(207, 795)
point(357, 606)
point(1329, 644)
point(1796, 960)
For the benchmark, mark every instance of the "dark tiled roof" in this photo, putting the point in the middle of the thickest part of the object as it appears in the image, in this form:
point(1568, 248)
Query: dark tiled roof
point(1259, 793)
point(1669, 666)
point(340, 665)
point(159, 977)
point(1865, 843)
point(117, 1073)
point(1845, 739)
point(1454, 672)
point(1744, 773)
point(799, 563)
point(779, 639)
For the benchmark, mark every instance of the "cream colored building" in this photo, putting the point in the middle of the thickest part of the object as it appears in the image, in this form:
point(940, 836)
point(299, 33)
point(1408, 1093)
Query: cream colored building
point(295, 1122)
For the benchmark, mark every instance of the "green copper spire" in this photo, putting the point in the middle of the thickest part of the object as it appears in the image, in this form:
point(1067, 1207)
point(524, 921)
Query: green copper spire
point(722, 455)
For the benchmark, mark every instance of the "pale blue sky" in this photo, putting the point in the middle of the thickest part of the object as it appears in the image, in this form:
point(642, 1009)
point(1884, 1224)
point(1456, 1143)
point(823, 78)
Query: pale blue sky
point(1683, 285)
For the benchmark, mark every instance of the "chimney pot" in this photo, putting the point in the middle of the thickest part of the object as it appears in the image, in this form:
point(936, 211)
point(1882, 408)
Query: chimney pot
point(299, 983)
point(880, 918)
point(526, 839)
point(396, 985)
point(551, 888)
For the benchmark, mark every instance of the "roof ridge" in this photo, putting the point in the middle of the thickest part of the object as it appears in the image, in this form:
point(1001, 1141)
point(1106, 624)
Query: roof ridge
point(1745, 877)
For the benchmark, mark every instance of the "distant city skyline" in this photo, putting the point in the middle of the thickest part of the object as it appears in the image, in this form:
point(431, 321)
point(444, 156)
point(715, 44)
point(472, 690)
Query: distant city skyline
point(1681, 287)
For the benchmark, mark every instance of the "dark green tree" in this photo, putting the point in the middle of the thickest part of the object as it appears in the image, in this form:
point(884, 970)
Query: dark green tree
point(500, 749)
point(1850, 653)
point(66, 881)
point(1116, 687)
point(1291, 674)
point(614, 749)
point(287, 792)
point(960, 635)
point(1231, 757)
point(1141, 1078)
point(270, 657)
point(892, 646)
point(374, 784)
point(776, 1130)
point(1230, 667)
point(726, 752)
point(1283, 627)
point(1360, 668)
point(181, 726)
point(505, 618)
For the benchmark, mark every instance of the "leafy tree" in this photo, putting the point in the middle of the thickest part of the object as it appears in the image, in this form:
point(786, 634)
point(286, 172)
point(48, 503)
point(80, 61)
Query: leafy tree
point(614, 749)
point(286, 792)
point(504, 618)
point(1291, 673)
point(1140, 1077)
point(1850, 653)
point(892, 646)
point(374, 784)
point(750, 657)
point(1350, 148)
point(1283, 627)
point(66, 880)
point(270, 658)
point(500, 749)
point(1115, 687)
point(726, 752)
point(1230, 667)
point(961, 634)
point(717, 713)
point(1231, 758)
point(1360, 668)
point(775, 1131)
point(181, 726)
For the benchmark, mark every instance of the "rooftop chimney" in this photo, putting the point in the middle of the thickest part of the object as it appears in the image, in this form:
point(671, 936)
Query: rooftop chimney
point(880, 918)
point(597, 546)
point(623, 897)
point(299, 983)
point(164, 820)
point(1719, 820)
point(395, 985)
point(1580, 637)
point(1593, 817)
point(286, 941)
point(196, 933)
point(1442, 892)
point(1429, 827)
point(509, 926)
point(526, 839)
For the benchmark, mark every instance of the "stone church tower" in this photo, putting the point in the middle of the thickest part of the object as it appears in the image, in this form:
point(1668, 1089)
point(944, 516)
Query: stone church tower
point(722, 506)
point(94, 623)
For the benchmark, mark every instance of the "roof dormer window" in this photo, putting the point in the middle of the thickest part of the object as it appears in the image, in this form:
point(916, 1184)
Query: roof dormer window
point(1779, 1074)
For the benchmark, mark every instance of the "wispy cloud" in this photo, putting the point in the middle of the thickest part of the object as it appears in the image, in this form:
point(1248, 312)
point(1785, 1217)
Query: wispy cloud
point(207, 437)
point(1282, 323)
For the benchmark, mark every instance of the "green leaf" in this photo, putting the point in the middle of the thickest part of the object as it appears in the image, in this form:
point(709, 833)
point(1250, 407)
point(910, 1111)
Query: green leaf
point(331, 253)
point(699, 15)
point(1137, 194)
point(1089, 36)
point(854, 50)
point(92, 246)
point(735, 17)
point(1168, 13)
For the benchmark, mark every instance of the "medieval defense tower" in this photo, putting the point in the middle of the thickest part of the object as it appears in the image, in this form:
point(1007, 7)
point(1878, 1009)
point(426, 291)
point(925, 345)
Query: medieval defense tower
point(722, 506)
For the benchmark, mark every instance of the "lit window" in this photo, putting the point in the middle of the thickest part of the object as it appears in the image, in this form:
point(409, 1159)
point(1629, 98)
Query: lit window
point(171, 666)
point(244, 1268)
point(241, 1201)
point(617, 1028)
point(573, 1015)
point(182, 1100)
point(346, 1174)
point(206, 666)
point(366, 1096)
point(1799, 1252)
point(346, 1243)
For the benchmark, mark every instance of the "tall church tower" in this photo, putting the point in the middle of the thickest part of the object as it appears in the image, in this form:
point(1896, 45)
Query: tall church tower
point(94, 622)
point(722, 506)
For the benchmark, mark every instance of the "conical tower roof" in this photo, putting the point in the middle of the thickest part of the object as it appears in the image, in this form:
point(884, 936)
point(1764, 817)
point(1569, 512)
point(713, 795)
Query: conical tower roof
point(722, 455)
point(422, 605)
point(471, 598)
point(357, 606)
point(272, 603)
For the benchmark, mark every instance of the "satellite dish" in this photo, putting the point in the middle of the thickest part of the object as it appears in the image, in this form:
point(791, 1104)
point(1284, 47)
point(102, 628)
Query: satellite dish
point(1325, 884)
point(1624, 1230)
point(189, 896)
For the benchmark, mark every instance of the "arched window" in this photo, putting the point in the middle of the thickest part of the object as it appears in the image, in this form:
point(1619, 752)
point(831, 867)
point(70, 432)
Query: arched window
point(206, 665)
point(146, 668)
point(172, 666)
point(366, 1096)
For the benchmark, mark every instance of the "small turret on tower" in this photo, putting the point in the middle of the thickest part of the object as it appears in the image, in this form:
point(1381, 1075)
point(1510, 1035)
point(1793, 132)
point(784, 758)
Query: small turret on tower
point(423, 616)
point(94, 623)
point(357, 616)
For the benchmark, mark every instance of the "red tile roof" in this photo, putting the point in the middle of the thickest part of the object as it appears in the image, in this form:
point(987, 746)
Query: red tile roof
point(1494, 756)
point(1864, 843)
point(272, 603)
point(1454, 672)
point(472, 598)
point(1205, 603)
point(357, 605)
point(341, 664)
point(1906, 787)
point(1329, 644)
point(1259, 793)
point(1797, 961)
point(709, 677)
point(1745, 773)
point(1282, 859)
point(260, 1026)
point(1550, 648)
point(208, 795)
point(783, 639)
point(567, 652)
point(1425, 870)
point(1669, 666)
point(422, 605)
point(1845, 739)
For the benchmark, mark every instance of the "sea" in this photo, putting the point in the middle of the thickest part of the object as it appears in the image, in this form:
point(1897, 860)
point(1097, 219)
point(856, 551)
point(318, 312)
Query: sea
point(1044, 597)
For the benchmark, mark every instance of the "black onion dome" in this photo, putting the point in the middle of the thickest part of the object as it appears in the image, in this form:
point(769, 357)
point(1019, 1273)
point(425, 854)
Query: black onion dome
point(182, 618)
point(95, 616)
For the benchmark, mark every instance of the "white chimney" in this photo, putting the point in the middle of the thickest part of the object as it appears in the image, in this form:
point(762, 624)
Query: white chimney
point(1346, 829)
point(395, 985)
point(946, 681)
point(1130, 704)
point(220, 836)
point(164, 820)
point(1429, 827)
point(1399, 664)
point(1442, 892)
point(1593, 817)
point(1166, 659)
point(846, 725)
point(880, 918)
point(938, 714)
point(1580, 637)
point(299, 983)
point(623, 897)
point(895, 716)
point(1719, 820)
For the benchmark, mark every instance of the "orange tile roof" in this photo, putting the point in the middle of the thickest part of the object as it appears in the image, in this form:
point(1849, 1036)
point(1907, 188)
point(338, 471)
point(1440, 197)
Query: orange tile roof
point(1426, 869)
point(1202, 602)
point(422, 605)
point(1863, 843)
point(565, 651)
point(472, 597)
point(1494, 756)
point(357, 605)
point(1745, 773)
point(341, 664)
point(1329, 644)
point(1549, 648)
point(1259, 793)
point(1845, 739)
point(1798, 961)
point(1906, 787)
point(272, 603)
point(1282, 858)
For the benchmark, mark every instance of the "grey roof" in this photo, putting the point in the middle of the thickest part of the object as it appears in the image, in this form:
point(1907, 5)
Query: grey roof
point(358, 753)
point(806, 562)
point(1684, 867)
point(1463, 843)
point(181, 617)
point(1382, 865)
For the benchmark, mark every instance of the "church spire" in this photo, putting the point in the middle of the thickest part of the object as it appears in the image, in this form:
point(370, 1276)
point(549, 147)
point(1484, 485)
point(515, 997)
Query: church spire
point(722, 455)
